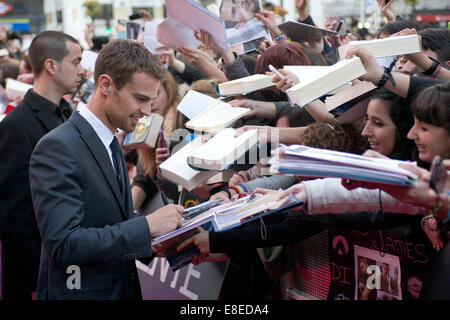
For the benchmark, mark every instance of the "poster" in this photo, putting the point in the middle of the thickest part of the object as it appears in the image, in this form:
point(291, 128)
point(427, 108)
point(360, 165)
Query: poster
point(377, 276)
point(240, 21)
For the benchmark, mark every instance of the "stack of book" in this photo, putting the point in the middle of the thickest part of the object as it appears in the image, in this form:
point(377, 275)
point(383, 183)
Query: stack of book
point(312, 162)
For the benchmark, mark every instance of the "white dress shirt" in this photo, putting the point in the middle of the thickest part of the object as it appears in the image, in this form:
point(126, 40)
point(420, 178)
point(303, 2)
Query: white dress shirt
point(105, 135)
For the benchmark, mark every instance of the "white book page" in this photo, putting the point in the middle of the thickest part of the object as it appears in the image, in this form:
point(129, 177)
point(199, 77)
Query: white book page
point(195, 102)
point(173, 34)
point(219, 115)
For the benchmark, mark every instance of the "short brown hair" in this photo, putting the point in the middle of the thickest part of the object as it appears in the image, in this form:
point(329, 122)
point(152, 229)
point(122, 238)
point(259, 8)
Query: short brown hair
point(48, 45)
point(120, 59)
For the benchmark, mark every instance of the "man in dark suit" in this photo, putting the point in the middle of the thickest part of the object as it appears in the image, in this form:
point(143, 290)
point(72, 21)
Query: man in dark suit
point(81, 190)
point(55, 58)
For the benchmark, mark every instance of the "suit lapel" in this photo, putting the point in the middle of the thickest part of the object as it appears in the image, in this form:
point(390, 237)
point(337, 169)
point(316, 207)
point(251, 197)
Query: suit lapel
point(100, 154)
point(45, 116)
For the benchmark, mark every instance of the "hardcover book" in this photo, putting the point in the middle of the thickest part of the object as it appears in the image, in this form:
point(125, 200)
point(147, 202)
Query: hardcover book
point(245, 85)
point(222, 150)
point(314, 86)
point(386, 47)
point(146, 133)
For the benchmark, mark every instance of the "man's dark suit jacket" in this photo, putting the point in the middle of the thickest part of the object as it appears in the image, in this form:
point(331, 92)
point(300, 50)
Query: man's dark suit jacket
point(81, 218)
point(20, 131)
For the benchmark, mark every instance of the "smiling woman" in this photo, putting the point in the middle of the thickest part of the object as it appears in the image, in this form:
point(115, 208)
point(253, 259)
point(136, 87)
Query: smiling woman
point(431, 130)
point(389, 121)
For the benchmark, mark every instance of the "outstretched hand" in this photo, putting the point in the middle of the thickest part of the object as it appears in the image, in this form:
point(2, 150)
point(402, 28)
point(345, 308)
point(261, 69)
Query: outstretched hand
point(387, 9)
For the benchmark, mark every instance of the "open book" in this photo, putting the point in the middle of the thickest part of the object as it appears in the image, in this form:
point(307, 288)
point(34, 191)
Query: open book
point(386, 47)
point(177, 170)
point(312, 162)
point(183, 18)
point(243, 210)
point(146, 133)
point(245, 85)
point(302, 32)
point(215, 116)
point(222, 150)
point(16, 88)
point(314, 85)
point(350, 105)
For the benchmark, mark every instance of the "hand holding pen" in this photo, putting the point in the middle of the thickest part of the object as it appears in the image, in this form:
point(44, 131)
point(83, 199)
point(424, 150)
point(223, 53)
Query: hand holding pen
point(283, 79)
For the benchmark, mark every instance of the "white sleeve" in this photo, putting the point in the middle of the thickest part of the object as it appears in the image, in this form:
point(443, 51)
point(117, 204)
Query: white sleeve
point(330, 196)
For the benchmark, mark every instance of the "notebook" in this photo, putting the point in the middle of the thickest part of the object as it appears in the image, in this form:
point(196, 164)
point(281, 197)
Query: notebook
point(222, 150)
point(312, 162)
point(177, 170)
point(245, 85)
point(386, 47)
point(146, 133)
point(313, 86)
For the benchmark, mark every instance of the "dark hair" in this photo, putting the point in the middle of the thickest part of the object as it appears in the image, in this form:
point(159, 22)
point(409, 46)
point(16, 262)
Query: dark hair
point(8, 70)
point(48, 45)
point(249, 62)
point(121, 59)
point(401, 116)
point(316, 58)
point(26, 60)
point(98, 43)
point(432, 105)
point(398, 25)
point(298, 117)
point(437, 40)
point(280, 55)
point(14, 36)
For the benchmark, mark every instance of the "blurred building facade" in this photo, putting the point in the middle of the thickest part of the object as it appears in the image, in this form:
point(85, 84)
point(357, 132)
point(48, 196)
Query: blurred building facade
point(33, 16)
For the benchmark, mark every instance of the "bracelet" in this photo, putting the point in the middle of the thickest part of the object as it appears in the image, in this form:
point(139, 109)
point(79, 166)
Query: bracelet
point(387, 75)
point(437, 72)
point(239, 189)
point(227, 191)
point(435, 209)
point(433, 67)
point(282, 37)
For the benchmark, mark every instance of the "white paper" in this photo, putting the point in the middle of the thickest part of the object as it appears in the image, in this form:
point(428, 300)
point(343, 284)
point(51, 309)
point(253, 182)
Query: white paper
point(173, 34)
point(194, 102)
point(150, 40)
point(88, 60)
